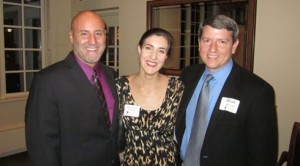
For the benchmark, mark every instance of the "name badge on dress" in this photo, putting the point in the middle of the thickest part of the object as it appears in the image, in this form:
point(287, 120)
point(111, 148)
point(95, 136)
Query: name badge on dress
point(131, 110)
point(229, 104)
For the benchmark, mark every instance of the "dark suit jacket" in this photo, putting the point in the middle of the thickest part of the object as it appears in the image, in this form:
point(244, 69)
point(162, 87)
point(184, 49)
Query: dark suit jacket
point(64, 121)
point(250, 136)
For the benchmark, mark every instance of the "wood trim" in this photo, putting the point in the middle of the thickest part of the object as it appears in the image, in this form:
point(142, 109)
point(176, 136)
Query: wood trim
point(248, 57)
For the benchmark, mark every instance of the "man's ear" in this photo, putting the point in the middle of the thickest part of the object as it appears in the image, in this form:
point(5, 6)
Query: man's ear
point(71, 36)
point(234, 46)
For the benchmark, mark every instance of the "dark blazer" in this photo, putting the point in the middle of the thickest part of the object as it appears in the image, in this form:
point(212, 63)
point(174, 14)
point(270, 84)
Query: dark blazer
point(249, 137)
point(64, 121)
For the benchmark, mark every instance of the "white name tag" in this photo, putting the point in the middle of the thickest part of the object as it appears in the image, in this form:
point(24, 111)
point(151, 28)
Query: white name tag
point(229, 104)
point(131, 110)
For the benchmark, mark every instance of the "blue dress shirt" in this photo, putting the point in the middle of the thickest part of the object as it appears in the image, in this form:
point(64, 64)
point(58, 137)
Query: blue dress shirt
point(216, 85)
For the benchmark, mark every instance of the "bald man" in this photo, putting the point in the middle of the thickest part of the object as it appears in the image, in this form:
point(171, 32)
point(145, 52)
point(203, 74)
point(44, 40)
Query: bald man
point(66, 123)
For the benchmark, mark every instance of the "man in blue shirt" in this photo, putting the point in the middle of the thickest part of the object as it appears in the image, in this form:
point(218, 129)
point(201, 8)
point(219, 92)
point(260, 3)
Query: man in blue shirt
point(241, 126)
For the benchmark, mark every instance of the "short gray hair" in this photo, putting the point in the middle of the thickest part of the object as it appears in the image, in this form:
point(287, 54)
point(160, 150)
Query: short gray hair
point(221, 22)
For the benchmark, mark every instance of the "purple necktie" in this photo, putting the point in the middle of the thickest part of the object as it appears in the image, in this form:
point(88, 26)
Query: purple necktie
point(101, 96)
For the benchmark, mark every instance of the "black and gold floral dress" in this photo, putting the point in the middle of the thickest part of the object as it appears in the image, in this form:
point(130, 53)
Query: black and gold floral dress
point(149, 137)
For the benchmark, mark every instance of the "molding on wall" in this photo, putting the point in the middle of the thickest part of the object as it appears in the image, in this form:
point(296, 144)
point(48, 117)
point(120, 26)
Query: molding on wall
point(12, 152)
point(12, 127)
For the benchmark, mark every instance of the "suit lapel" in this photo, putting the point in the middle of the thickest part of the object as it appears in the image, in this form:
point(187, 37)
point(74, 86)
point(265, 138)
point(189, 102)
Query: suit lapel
point(78, 75)
point(191, 86)
point(230, 89)
point(190, 80)
point(82, 81)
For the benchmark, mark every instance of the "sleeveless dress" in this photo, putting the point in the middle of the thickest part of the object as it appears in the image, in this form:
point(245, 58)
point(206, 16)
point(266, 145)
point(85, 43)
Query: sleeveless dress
point(149, 138)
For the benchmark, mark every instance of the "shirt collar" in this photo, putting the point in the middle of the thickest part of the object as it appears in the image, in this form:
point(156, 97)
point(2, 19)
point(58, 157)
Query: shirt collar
point(88, 70)
point(222, 73)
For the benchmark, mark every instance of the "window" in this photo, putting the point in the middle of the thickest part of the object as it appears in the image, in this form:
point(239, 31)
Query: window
point(23, 47)
point(191, 15)
point(111, 55)
point(186, 17)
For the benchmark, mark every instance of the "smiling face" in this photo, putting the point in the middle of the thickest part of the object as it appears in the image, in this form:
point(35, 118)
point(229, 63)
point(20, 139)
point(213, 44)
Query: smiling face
point(216, 47)
point(88, 37)
point(153, 54)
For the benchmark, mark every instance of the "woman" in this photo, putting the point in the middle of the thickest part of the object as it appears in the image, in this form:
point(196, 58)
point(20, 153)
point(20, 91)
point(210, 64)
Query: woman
point(149, 101)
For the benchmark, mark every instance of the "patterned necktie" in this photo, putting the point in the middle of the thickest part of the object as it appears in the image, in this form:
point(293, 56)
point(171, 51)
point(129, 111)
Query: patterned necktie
point(192, 157)
point(100, 94)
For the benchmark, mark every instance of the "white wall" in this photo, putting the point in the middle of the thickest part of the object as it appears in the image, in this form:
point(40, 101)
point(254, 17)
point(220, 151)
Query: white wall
point(277, 59)
point(12, 138)
point(276, 55)
point(58, 26)
point(132, 26)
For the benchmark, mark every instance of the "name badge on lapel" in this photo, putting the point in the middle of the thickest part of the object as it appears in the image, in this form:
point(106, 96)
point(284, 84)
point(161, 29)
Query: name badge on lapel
point(131, 110)
point(229, 104)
